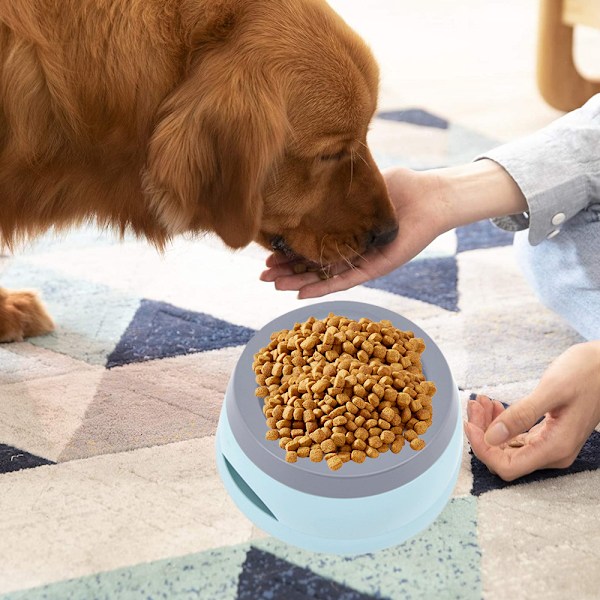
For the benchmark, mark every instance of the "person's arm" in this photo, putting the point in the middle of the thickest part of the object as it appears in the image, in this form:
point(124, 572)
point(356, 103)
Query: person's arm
point(557, 169)
point(475, 191)
point(538, 182)
point(427, 203)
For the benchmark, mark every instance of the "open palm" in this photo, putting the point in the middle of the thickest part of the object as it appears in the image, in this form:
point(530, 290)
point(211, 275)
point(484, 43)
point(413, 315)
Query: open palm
point(419, 211)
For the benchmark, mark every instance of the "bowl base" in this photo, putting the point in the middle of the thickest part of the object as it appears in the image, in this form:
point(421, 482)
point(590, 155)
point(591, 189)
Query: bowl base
point(253, 508)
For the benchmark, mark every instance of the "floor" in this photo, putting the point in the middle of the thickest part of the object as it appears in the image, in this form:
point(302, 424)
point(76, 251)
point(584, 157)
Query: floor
point(462, 59)
point(109, 486)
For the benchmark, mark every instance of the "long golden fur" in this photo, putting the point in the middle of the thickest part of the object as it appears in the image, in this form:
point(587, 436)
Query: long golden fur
point(247, 118)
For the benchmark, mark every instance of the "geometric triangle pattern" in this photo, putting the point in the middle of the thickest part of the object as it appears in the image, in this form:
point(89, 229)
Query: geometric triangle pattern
point(450, 543)
point(432, 280)
point(161, 330)
point(92, 315)
point(415, 116)
point(121, 404)
point(269, 568)
point(13, 459)
point(265, 575)
point(482, 234)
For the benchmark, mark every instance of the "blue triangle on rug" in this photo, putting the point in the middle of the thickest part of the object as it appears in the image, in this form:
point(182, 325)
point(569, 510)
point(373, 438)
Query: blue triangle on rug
point(161, 330)
point(414, 116)
point(13, 459)
point(266, 576)
point(482, 234)
point(432, 280)
point(587, 460)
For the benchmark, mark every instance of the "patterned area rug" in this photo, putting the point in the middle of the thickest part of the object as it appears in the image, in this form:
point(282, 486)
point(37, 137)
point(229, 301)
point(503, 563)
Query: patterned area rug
point(108, 483)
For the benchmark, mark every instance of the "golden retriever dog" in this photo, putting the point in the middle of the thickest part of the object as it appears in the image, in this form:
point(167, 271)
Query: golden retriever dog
point(246, 118)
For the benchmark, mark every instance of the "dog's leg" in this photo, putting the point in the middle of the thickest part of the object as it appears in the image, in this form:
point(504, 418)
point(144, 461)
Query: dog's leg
point(22, 315)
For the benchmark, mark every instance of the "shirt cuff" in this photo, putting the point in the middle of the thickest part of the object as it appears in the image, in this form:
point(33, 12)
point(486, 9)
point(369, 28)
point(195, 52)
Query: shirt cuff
point(550, 202)
point(557, 170)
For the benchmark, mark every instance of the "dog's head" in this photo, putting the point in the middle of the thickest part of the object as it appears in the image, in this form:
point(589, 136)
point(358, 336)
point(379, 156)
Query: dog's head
point(265, 139)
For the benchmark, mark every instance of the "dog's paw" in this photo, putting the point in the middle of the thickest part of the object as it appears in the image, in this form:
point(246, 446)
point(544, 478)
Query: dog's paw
point(22, 315)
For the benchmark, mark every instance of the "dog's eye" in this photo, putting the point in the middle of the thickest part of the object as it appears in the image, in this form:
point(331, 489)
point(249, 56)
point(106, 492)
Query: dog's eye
point(336, 156)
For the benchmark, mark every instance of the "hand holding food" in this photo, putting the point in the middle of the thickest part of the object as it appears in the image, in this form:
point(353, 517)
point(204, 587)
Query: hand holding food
point(510, 442)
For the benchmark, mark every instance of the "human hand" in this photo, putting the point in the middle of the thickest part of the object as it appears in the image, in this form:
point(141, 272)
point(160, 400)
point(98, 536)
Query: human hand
point(418, 204)
point(510, 443)
point(427, 204)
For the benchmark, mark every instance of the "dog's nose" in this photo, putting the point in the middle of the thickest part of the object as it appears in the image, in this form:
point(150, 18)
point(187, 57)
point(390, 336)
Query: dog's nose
point(381, 237)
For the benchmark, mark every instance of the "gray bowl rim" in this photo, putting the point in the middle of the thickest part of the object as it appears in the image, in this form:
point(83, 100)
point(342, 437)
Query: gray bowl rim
point(375, 476)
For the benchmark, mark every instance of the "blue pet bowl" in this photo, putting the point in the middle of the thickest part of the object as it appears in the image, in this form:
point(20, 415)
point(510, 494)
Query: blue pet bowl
point(361, 507)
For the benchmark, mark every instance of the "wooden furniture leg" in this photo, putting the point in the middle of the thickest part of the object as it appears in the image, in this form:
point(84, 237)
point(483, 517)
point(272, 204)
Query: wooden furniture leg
point(559, 82)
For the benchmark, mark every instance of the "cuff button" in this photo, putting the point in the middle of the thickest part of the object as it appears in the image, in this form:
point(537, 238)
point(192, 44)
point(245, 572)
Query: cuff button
point(558, 218)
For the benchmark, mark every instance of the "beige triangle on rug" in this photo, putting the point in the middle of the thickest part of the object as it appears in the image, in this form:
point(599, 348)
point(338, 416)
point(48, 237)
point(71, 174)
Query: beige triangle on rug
point(83, 517)
point(40, 414)
point(543, 537)
point(154, 403)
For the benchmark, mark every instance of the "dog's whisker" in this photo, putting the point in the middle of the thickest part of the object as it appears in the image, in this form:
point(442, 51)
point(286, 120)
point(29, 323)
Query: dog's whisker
point(361, 157)
point(357, 253)
point(322, 250)
point(366, 163)
point(274, 175)
point(351, 170)
point(344, 258)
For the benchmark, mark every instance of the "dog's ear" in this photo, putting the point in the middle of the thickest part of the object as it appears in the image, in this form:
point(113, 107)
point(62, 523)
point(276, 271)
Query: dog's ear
point(216, 139)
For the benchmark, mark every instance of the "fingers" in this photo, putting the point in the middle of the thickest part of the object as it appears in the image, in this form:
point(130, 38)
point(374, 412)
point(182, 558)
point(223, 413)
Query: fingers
point(342, 276)
point(483, 410)
point(276, 258)
point(278, 265)
point(519, 455)
point(510, 461)
point(513, 460)
point(281, 271)
point(338, 283)
point(500, 460)
point(558, 390)
point(476, 414)
point(519, 417)
point(285, 279)
point(310, 284)
point(498, 408)
point(487, 454)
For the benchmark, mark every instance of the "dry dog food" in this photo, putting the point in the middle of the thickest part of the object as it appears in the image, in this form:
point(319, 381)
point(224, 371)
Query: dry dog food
point(301, 267)
point(337, 390)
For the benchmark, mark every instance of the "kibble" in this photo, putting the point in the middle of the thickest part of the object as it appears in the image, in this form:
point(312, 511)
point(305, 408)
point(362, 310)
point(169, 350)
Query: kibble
point(516, 443)
point(417, 444)
point(335, 462)
point(316, 454)
point(340, 390)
